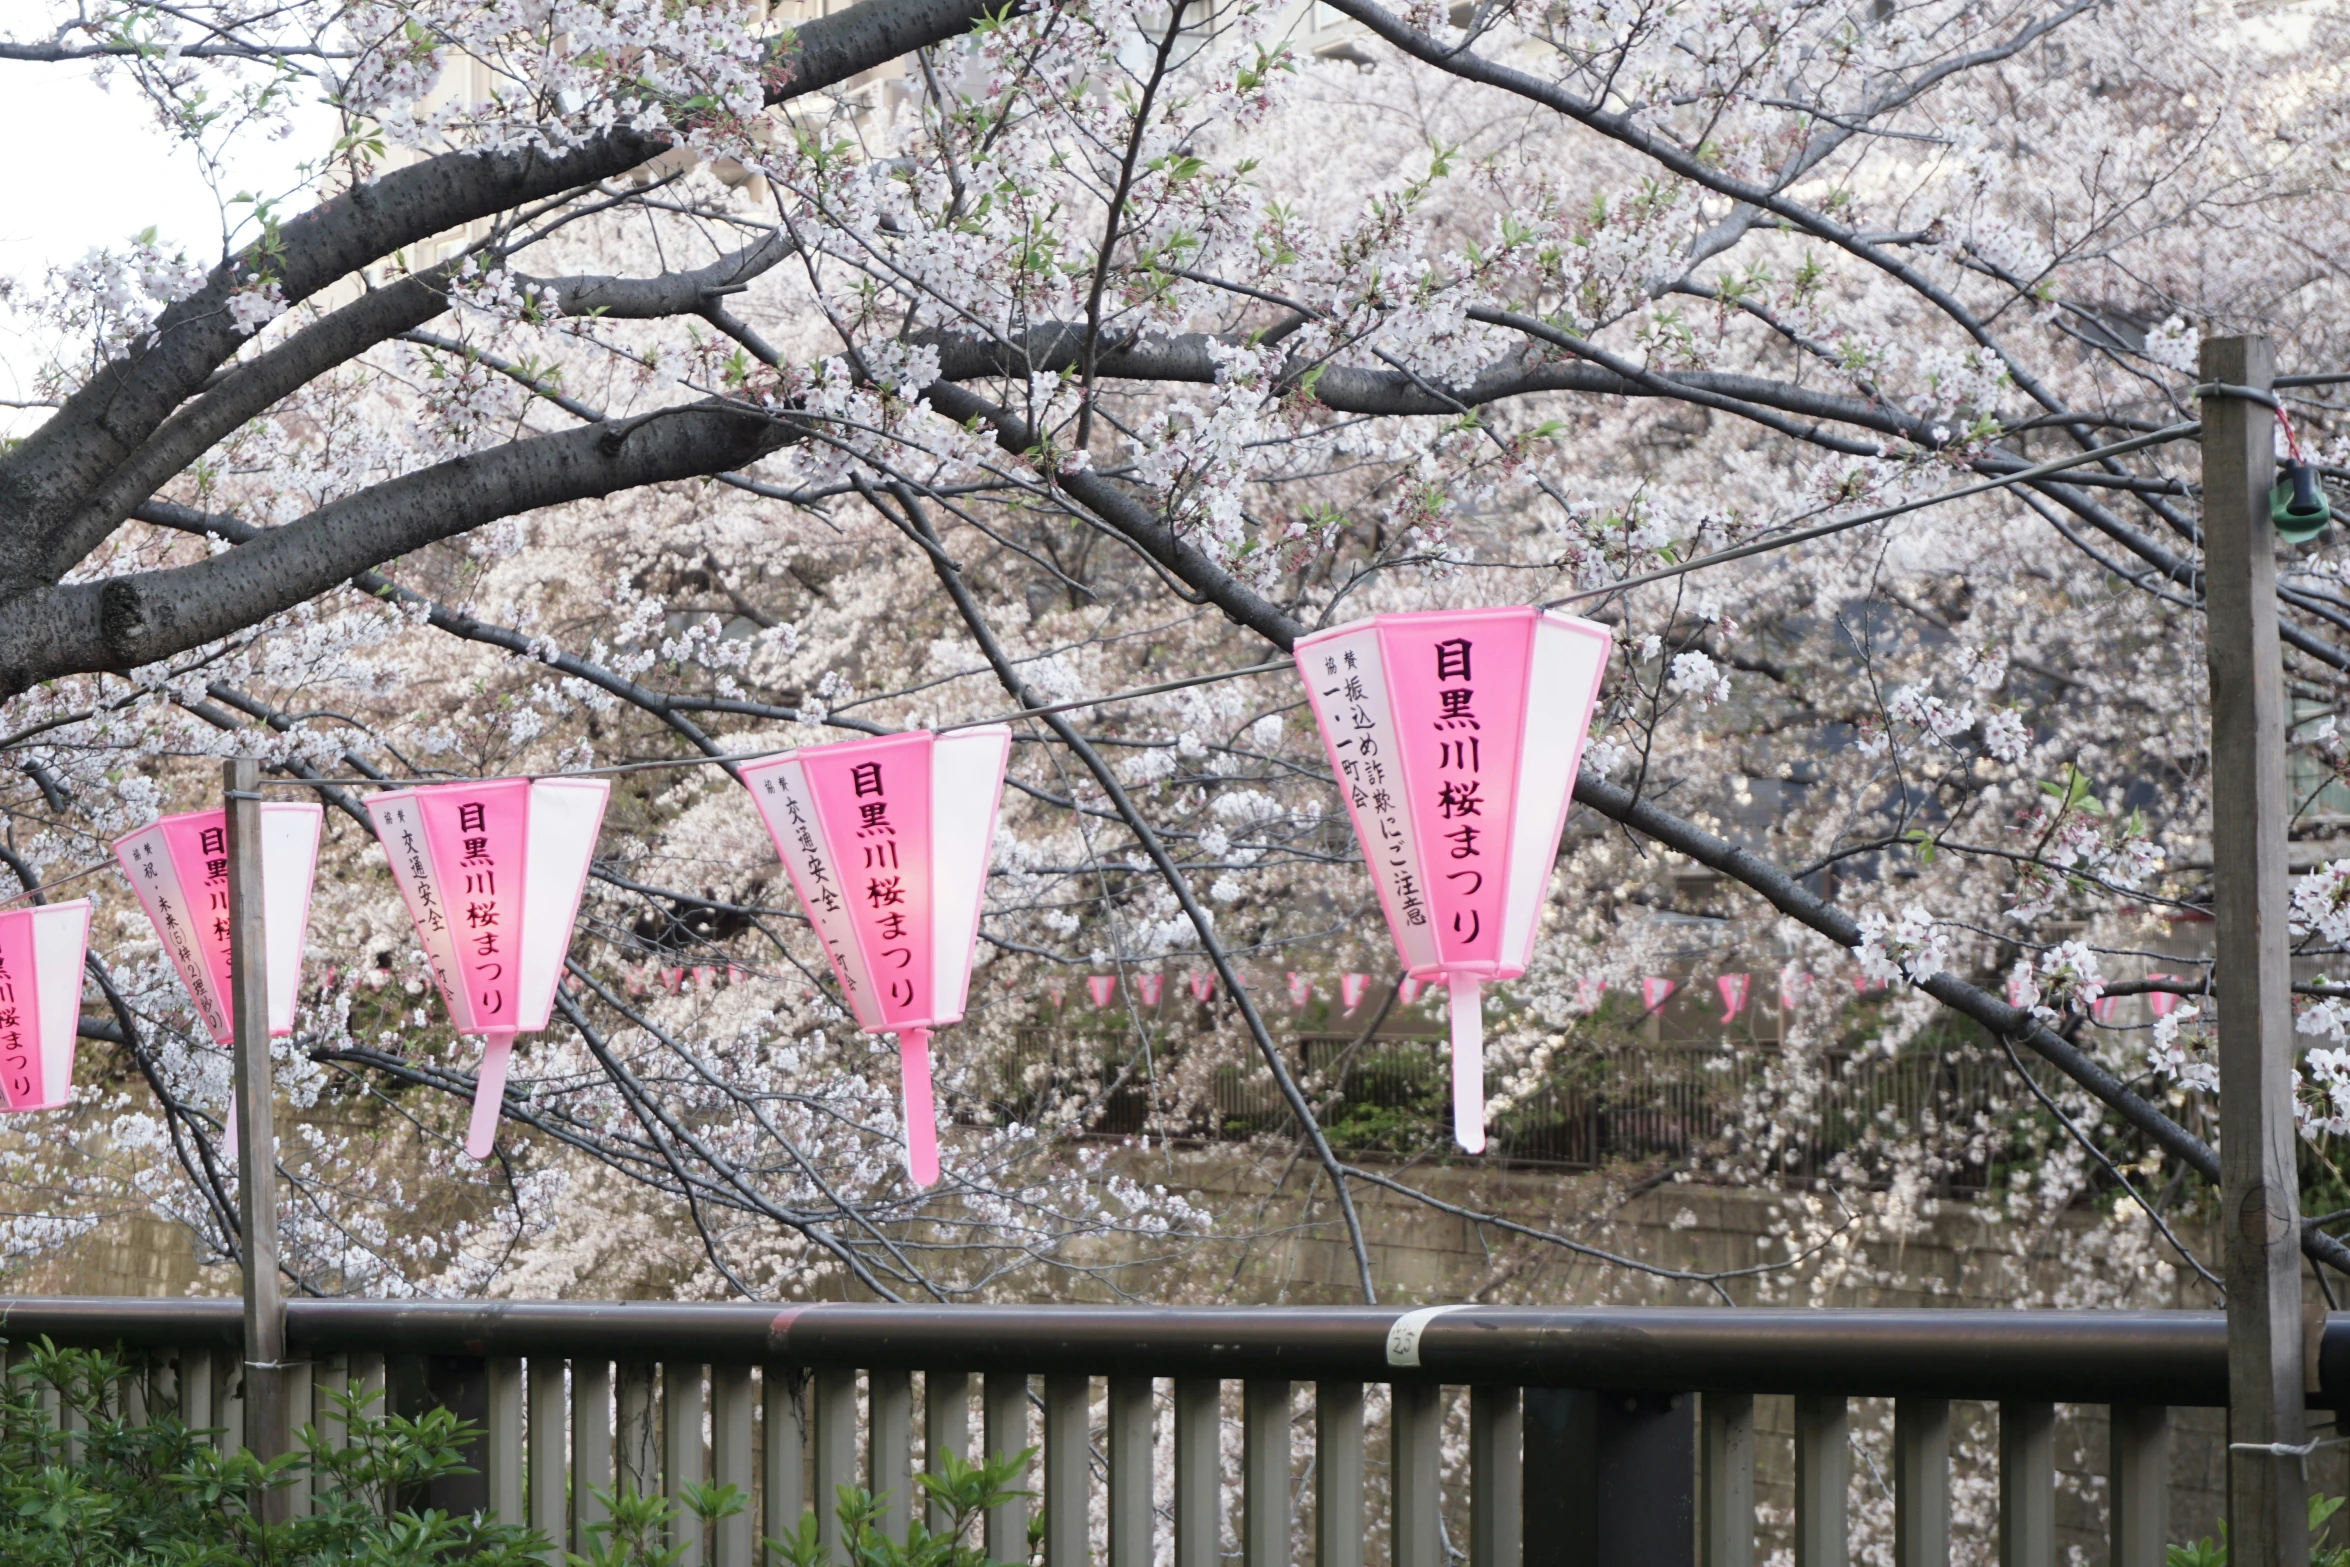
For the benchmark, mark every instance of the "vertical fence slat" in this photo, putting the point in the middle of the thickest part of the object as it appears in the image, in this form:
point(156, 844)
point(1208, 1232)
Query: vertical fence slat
point(1496, 1478)
point(228, 1407)
point(734, 1538)
point(889, 1447)
point(836, 1452)
point(1133, 1535)
point(1199, 1472)
point(1726, 1480)
point(1338, 1474)
point(636, 1452)
point(946, 1428)
point(195, 1385)
point(330, 1377)
point(591, 1448)
point(547, 1451)
point(1921, 1482)
point(783, 1453)
point(1823, 1471)
point(2140, 1485)
point(2027, 1485)
point(681, 1453)
point(367, 1380)
point(1067, 1459)
point(1004, 1416)
point(1264, 1473)
point(299, 1379)
point(1417, 1431)
point(504, 1447)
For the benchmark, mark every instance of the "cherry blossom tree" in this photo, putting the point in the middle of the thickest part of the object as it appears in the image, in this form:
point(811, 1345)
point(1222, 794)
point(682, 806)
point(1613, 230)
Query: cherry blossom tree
point(658, 383)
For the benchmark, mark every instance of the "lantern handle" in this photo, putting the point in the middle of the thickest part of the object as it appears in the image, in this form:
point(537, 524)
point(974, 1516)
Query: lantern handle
point(1468, 1062)
point(921, 1110)
point(489, 1093)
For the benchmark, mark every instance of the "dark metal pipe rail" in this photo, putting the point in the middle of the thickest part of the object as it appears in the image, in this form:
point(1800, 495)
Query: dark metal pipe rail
point(1586, 1447)
point(2066, 1356)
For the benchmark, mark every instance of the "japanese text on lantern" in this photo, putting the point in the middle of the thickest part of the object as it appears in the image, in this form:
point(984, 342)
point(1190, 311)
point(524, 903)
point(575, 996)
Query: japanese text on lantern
point(212, 843)
point(885, 894)
point(1365, 758)
point(1457, 766)
point(178, 939)
point(16, 1057)
point(815, 879)
point(484, 923)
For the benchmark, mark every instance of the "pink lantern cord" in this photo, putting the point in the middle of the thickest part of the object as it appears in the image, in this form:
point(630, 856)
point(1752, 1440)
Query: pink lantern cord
point(1468, 1062)
point(489, 1093)
point(921, 1108)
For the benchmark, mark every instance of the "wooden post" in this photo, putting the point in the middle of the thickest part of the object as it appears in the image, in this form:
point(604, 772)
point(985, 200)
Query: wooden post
point(2259, 1190)
point(267, 1433)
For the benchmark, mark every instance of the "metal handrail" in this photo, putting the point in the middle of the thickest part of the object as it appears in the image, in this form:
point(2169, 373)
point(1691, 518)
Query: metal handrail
point(2072, 1356)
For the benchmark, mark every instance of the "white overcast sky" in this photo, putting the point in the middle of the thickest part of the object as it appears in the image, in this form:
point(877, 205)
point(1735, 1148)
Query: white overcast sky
point(89, 167)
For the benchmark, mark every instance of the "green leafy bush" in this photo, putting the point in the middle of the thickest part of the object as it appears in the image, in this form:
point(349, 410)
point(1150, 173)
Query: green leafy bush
point(98, 1490)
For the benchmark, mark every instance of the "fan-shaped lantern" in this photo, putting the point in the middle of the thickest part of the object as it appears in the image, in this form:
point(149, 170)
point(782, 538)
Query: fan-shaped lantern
point(491, 873)
point(178, 866)
point(1455, 736)
point(887, 843)
point(41, 952)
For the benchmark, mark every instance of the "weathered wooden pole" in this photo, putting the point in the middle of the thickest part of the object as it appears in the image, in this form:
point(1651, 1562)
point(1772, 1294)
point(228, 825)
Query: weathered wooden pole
point(267, 1433)
point(2259, 1189)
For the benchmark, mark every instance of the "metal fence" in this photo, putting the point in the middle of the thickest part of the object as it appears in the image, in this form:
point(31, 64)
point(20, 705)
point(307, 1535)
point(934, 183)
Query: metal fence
point(1595, 1436)
point(1393, 1095)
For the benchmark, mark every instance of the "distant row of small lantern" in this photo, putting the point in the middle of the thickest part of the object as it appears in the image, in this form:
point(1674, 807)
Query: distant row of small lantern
point(1456, 784)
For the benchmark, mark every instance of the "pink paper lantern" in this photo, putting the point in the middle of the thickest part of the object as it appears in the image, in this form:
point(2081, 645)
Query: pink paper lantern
point(1301, 989)
point(1733, 988)
point(1203, 985)
point(1150, 987)
point(179, 868)
point(1057, 991)
point(1407, 989)
point(887, 842)
point(41, 954)
point(1101, 987)
point(1656, 990)
point(1588, 994)
point(492, 872)
point(2163, 1002)
point(1351, 989)
point(1457, 783)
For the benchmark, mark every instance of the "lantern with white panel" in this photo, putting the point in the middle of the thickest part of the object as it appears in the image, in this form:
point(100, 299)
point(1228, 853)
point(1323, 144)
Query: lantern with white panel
point(178, 866)
point(887, 843)
point(492, 873)
point(41, 954)
point(1455, 736)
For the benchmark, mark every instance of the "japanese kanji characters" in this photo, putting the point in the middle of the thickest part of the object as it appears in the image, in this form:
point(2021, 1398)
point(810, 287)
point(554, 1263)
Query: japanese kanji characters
point(887, 844)
point(41, 952)
point(1457, 783)
point(492, 873)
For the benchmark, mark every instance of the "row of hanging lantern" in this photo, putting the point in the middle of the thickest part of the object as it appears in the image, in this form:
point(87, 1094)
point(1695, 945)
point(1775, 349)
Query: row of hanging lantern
point(1456, 779)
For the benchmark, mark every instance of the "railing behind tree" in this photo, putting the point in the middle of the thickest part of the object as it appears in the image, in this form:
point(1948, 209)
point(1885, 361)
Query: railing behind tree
point(1393, 1095)
point(1598, 1437)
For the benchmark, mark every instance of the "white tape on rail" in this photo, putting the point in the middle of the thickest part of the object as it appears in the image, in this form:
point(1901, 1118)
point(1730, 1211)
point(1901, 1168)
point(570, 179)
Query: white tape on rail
point(1403, 1335)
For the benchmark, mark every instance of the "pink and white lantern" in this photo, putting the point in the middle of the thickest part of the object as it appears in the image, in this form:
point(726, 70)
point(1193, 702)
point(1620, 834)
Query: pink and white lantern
point(887, 843)
point(492, 872)
point(41, 953)
point(1457, 782)
point(178, 866)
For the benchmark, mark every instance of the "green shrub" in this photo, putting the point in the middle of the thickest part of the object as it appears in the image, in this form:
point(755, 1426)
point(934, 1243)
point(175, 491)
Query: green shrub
point(101, 1491)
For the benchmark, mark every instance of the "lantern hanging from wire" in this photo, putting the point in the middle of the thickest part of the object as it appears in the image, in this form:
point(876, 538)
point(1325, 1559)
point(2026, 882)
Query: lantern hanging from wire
point(492, 873)
point(887, 843)
point(1455, 735)
point(41, 956)
point(178, 866)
